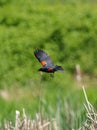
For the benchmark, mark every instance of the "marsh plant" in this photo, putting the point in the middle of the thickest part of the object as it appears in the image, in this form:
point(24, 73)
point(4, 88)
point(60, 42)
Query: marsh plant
point(69, 118)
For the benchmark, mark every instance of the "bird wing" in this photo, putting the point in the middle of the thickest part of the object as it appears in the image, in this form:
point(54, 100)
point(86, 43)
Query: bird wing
point(43, 58)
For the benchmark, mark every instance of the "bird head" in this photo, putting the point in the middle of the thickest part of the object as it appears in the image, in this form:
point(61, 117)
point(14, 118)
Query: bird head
point(41, 69)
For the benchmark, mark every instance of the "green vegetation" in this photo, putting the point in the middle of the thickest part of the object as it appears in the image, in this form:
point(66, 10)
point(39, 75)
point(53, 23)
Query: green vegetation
point(39, 122)
point(65, 31)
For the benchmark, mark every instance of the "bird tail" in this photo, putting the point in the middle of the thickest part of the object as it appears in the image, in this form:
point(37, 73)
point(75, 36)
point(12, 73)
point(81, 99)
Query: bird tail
point(59, 68)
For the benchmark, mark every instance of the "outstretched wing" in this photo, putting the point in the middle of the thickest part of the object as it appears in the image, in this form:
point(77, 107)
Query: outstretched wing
point(43, 58)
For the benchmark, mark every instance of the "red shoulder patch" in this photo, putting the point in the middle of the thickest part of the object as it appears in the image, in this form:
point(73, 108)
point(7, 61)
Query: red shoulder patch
point(50, 69)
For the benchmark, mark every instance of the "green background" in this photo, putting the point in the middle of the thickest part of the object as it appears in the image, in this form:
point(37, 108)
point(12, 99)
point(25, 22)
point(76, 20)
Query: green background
point(67, 31)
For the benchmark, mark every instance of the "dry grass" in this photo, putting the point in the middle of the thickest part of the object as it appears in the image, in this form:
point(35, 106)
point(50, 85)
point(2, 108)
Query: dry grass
point(26, 124)
point(91, 122)
point(23, 123)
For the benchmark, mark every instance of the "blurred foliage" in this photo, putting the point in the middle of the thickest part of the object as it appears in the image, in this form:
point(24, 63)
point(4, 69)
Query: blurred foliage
point(66, 32)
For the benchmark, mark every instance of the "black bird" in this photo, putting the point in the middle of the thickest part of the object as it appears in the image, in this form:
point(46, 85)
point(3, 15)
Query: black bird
point(46, 62)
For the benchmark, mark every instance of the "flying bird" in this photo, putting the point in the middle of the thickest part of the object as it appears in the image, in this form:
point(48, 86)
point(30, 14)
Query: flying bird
point(46, 62)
